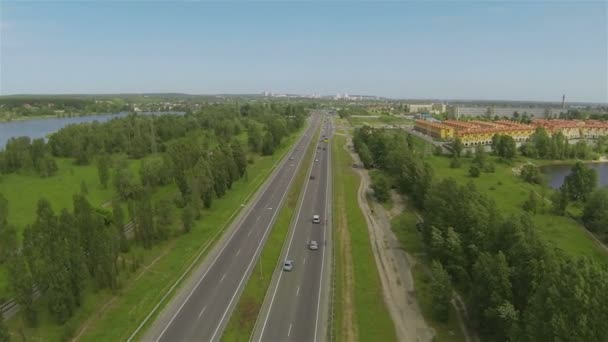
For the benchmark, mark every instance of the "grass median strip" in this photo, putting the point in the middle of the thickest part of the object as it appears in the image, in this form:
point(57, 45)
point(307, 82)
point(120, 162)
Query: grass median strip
point(242, 322)
point(360, 312)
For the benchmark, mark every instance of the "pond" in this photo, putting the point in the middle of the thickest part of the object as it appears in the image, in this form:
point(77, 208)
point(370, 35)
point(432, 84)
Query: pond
point(40, 128)
point(555, 174)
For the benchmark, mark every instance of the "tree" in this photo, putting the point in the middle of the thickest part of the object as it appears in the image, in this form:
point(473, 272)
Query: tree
point(531, 174)
point(118, 218)
point(505, 146)
point(365, 156)
point(455, 162)
point(187, 218)
point(441, 292)
point(164, 218)
point(381, 187)
point(103, 170)
point(581, 181)
point(474, 171)
point(560, 200)
point(530, 204)
point(457, 147)
point(480, 157)
point(595, 212)
point(22, 284)
point(4, 335)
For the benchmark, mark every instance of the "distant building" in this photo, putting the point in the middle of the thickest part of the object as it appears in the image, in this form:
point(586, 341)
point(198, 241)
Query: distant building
point(474, 132)
point(456, 112)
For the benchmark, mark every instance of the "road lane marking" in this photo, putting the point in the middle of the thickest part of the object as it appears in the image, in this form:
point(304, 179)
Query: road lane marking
point(202, 312)
point(324, 241)
point(238, 252)
point(276, 171)
point(289, 332)
point(224, 276)
point(298, 291)
point(250, 230)
point(287, 252)
point(304, 263)
point(272, 221)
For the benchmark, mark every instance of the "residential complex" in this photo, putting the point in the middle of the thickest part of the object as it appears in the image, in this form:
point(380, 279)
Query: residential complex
point(475, 132)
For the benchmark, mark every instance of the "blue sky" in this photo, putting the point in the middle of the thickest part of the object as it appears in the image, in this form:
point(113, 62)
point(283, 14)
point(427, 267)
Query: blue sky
point(418, 49)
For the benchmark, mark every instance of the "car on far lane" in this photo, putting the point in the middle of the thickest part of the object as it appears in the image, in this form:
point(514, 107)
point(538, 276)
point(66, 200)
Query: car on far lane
point(313, 246)
point(290, 158)
point(288, 265)
point(316, 219)
point(316, 160)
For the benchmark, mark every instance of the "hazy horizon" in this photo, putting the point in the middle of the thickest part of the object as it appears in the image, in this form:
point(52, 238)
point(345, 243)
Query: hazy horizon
point(464, 51)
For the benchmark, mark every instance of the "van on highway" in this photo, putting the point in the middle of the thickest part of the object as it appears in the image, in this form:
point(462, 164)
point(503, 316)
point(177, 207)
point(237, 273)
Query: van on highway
point(316, 219)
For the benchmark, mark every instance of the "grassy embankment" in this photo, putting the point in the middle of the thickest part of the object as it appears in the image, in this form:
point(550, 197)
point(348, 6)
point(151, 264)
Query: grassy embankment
point(371, 318)
point(112, 317)
point(242, 322)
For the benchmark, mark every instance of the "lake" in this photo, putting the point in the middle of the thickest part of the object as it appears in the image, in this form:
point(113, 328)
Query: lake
point(555, 174)
point(40, 128)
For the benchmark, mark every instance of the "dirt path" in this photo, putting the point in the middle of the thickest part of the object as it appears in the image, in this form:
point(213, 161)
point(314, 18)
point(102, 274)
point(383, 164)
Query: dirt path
point(393, 265)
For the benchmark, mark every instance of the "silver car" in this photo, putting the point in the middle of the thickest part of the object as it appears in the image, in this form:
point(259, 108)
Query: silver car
point(288, 265)
point(316, 219)
point(313, 245)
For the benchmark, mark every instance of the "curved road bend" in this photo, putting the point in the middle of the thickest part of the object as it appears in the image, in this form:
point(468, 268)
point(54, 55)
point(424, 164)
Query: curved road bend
point(296, 308)
point(202, 307)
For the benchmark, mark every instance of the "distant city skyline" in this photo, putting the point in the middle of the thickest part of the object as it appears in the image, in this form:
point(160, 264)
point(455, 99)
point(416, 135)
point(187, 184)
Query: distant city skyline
point(496, 50)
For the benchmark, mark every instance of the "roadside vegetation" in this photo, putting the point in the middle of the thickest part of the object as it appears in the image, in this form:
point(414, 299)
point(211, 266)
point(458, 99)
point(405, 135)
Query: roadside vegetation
point(243, 319)
point(187, 164)
point(359, 309)
point(500, 257)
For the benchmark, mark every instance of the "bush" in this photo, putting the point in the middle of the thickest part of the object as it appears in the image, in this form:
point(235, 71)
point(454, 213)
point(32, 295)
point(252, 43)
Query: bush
point(455, 163)
point(474, 171)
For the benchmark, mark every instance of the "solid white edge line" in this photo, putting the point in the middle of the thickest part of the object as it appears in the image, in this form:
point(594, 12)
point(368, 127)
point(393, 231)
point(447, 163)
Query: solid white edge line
point(277, 166)
point(287, 253)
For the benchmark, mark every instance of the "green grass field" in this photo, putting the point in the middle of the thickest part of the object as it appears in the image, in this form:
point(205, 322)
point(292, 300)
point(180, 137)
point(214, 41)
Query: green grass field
point(372, 318)
point(24, 190)
point(404, 227)
point(509, 192)
point(242, 322)
point(113, 317)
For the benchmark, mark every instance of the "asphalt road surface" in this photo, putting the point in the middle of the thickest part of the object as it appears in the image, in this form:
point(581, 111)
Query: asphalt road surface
point(202, 307)
point(296, 306)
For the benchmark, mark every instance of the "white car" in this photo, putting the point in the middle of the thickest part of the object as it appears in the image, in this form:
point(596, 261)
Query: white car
point(313, 245)
point(316, 219)
point(288, 265)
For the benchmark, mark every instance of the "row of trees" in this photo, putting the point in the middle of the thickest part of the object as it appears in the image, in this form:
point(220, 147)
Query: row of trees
point(516, 287)
point(555, 147)
point(24, 154)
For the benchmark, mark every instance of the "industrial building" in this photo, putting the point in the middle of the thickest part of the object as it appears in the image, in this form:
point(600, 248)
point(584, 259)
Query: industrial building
point(456, 112)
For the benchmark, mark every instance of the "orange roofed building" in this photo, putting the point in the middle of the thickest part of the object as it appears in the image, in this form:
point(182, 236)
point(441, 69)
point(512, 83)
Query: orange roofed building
point(475, 132)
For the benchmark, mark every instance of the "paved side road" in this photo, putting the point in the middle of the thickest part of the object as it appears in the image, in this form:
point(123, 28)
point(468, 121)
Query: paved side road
point(202, 307)
point(296, 306)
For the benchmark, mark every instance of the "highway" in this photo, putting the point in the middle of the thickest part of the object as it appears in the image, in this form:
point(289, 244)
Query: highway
point(296, 307)
point(201, 308)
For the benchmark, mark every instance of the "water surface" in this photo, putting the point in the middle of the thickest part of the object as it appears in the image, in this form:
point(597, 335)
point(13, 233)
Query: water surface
point(555, 174)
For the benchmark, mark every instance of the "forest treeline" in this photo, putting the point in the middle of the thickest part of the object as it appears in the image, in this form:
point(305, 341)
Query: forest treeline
point(517, 287)
point(64, 251)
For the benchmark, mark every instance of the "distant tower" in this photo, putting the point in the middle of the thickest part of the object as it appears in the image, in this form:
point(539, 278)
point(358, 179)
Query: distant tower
point(564, 101)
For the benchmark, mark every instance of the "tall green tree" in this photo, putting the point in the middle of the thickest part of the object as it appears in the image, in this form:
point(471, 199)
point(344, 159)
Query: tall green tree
point(103, 170)
point(581, 181)
point(441, 292)
point(595, 212)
